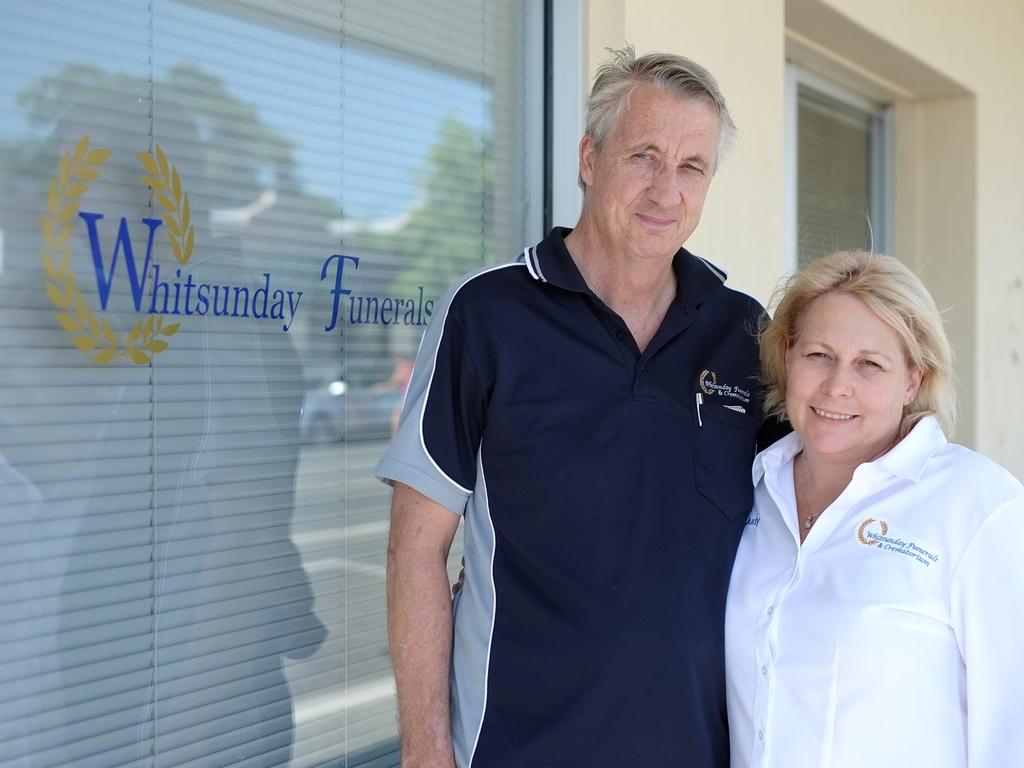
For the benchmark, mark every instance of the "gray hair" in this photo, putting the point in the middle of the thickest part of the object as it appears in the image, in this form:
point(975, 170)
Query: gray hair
point(623, 72)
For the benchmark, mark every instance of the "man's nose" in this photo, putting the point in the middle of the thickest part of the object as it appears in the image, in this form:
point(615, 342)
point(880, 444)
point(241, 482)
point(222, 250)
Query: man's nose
point(666, 188)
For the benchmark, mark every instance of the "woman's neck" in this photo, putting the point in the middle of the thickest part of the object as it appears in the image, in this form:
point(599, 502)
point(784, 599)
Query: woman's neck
point(819, 478)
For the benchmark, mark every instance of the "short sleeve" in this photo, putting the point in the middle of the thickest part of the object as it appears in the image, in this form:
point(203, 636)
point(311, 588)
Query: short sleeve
point(435, 447)
point(988, 620)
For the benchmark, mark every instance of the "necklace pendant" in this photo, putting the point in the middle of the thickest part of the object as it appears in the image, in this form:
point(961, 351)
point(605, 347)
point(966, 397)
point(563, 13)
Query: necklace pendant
point(809, 522)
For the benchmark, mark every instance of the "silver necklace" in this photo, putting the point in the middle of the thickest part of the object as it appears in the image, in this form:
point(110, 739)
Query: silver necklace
point(809, 520)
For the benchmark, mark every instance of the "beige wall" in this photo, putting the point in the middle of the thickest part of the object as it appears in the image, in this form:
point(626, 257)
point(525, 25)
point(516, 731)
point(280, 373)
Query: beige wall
point(978, 46)
point(953, 72)
point(742, 224)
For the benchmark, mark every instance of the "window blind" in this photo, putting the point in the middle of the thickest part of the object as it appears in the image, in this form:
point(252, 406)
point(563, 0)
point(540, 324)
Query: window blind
point(259, 204)
point(834, 172)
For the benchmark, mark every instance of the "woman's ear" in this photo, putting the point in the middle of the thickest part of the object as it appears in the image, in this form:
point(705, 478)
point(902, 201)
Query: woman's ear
point(914, 378)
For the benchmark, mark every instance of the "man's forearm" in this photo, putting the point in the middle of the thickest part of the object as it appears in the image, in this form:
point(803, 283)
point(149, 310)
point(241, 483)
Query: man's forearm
point(420, 637)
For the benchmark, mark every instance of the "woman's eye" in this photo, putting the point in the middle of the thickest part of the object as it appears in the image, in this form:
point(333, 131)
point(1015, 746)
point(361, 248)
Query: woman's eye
point(872, 364)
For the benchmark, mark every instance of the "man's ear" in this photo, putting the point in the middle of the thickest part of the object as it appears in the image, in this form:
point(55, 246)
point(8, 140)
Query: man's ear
point(588, 153)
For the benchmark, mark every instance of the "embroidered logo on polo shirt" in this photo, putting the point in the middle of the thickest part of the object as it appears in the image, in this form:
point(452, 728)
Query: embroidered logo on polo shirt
point(871, 539)
point(872, 535)
point(709, 385)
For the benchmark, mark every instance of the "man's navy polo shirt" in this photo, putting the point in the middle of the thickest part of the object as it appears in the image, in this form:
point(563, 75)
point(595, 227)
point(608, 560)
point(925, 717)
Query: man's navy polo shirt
point(604, 494)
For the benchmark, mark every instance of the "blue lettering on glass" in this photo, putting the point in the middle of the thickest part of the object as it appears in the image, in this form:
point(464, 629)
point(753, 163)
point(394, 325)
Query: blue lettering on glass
point(221, 300)
point(183, 295)
point(372, 310)
point(105, 277)
point(167, 296)
point(337, 290)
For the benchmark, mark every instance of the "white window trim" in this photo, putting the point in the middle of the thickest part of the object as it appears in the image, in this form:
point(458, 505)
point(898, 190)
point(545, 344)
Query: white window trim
point(534, 70)
point(882, 161)
point(568, 88)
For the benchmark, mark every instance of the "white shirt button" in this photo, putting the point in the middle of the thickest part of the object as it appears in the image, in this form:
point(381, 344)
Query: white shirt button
point(764, 670)
point(760, 735)
point(771, 609)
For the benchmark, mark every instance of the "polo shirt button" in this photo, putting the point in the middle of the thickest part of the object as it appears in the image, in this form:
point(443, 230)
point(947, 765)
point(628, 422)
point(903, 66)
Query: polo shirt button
point(764, 670)
point(771, 609)
point(760, 735)
point(620, 335)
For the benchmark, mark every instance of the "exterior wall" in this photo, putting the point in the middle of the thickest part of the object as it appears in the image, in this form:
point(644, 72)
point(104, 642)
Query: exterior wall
point(952, 73)
point(980, 50)
point(742, 225)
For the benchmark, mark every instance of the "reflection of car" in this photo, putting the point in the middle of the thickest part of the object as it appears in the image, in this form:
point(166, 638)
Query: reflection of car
point(334, 410)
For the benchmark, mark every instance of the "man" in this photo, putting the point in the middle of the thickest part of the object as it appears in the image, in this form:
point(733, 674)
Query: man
point(591, 409)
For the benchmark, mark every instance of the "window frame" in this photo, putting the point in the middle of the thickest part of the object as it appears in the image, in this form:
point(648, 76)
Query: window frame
point(881, 200)
point(566, 89)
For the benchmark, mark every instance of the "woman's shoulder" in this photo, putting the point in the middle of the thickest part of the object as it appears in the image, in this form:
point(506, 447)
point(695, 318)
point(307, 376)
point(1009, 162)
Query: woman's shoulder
point(958, 472)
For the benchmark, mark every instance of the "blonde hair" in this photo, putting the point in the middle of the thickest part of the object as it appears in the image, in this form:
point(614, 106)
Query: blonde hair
point(897, 297)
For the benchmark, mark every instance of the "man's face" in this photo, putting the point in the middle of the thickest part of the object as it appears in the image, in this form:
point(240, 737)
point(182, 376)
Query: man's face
point(646, 185)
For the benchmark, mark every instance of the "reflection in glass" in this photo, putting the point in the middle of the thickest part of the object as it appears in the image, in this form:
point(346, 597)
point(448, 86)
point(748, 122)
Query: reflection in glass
point(192, 570)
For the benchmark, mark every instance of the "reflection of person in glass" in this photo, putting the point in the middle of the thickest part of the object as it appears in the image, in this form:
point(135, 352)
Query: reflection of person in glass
point(180, 590)
point(877, 602)
point(591, 409)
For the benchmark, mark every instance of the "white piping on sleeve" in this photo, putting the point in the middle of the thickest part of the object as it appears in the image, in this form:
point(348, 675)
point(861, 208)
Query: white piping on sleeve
point(433, 367)
point(494, 605)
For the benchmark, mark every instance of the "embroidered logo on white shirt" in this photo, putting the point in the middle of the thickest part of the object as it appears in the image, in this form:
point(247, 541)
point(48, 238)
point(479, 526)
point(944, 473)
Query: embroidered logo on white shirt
point(872, 538)
point(877, 536)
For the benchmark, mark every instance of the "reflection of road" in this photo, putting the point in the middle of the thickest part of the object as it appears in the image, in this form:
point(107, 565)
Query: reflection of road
point(344, 694)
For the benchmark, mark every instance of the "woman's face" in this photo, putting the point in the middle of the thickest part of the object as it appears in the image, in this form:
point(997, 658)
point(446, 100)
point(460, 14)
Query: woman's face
point(847, 381)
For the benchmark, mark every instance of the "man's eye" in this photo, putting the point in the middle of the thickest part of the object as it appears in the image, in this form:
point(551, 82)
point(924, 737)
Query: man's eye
point(643, 156)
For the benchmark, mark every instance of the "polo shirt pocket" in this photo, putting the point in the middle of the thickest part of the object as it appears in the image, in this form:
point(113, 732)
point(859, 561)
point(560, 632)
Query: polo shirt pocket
point(724, 443)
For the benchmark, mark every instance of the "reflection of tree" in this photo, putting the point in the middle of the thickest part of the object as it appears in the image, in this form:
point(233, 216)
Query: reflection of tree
point(444, 234)
point(224, 599)
point(231, 134)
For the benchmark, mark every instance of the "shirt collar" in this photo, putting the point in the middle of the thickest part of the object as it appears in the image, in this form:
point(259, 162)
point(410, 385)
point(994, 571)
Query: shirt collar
point(906, 459)
point(775, 455)
point(550, 262)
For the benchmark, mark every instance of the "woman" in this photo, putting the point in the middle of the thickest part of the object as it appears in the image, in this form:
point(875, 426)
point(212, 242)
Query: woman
point(876, 610)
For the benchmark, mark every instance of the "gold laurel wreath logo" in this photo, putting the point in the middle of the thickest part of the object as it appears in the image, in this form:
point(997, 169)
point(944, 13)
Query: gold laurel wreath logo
point(704, 376)
point(863, 527)
point(78, 168)
point(163, 178)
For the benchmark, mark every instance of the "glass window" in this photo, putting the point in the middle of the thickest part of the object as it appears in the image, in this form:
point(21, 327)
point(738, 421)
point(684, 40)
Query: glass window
point(223, 228)
point(840, 185)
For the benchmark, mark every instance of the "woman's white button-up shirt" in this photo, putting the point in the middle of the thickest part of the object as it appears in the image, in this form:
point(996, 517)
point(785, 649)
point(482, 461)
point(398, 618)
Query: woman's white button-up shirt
point(895, 635)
